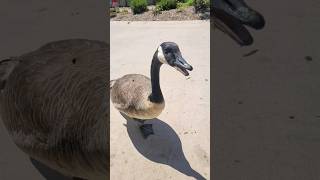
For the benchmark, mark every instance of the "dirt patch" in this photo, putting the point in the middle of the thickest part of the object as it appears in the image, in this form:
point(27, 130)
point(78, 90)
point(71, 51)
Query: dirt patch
point(125, 14)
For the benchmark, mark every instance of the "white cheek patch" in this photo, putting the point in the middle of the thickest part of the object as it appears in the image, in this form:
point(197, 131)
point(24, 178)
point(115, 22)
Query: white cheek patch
point(161, 56)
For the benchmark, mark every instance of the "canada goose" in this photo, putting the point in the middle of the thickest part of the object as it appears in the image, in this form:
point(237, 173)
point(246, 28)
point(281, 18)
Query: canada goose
point(230, 16)
point(54, 103)
point(140, 98)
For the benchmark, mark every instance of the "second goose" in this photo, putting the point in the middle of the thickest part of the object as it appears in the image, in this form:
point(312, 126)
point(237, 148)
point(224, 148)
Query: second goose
point(140, 98)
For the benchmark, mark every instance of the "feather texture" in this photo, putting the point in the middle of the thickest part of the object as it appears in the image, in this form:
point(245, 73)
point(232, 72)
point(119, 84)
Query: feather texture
point(130, 95)
point(55, 105)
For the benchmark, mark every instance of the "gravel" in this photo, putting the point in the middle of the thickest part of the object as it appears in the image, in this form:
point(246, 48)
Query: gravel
point(125, 14)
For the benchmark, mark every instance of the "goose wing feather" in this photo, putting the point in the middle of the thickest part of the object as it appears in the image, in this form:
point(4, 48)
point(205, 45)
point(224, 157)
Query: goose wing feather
point(55, 106)
point(131, 91)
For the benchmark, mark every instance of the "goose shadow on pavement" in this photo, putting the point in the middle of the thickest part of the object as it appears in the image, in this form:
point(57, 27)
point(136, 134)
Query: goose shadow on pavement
point(164, 146)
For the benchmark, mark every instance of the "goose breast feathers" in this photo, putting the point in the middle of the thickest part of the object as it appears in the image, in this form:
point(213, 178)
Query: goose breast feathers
point(130, 95)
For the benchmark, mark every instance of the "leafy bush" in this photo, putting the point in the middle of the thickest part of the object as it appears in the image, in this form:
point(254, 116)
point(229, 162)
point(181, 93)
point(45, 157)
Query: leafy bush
point(201, 5)
point(185, 4)
point(156, 11)
point(164, 5)
point(138, 6)
point(189, 2)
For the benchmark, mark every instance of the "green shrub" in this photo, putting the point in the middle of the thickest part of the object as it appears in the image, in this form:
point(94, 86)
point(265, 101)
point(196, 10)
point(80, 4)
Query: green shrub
point(138, 6)
point(189, 2)
point(164, 5)
point(201, 5)
point(181, 6)
point(156, 11)
point(184, 5)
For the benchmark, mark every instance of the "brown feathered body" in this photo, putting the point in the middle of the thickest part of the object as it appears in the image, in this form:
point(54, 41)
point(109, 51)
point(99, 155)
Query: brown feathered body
point(55, 106)
point(130, 95)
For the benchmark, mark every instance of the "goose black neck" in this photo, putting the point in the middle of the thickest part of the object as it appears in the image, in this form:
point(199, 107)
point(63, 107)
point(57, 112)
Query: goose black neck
point(156, 95)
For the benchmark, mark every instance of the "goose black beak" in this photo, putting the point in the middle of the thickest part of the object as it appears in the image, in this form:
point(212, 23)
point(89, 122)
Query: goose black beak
point(230, 16)
point(182, 66)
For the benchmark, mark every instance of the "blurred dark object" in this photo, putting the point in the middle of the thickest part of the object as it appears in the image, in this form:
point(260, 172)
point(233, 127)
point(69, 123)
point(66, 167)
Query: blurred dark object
point(231, 17)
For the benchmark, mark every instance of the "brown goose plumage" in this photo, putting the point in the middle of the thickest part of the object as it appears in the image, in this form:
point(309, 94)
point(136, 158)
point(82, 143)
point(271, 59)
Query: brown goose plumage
point(130, 95)
point(54, 103)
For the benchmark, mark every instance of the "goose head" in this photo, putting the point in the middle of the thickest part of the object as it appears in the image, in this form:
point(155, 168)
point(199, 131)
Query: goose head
point(231, 15)
point(169, 53)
